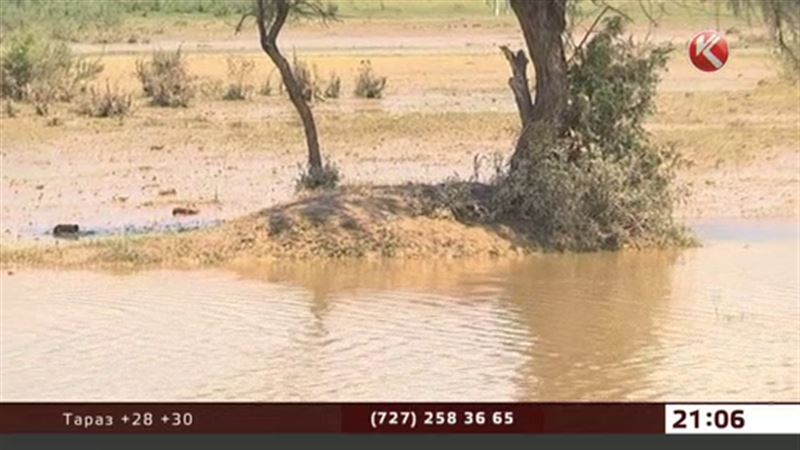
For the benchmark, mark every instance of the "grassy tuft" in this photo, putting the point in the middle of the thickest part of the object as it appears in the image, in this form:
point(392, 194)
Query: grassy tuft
point(108, 103)
point(239, 70)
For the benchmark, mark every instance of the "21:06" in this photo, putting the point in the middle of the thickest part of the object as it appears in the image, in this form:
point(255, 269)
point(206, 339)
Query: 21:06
point(719, 419)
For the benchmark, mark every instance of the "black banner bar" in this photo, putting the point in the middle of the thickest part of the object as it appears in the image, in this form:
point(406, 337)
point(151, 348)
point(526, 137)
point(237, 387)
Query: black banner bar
point(331, 418)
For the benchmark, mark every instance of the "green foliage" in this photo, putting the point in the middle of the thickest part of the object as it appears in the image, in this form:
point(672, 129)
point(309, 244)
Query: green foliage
point(602, 184)
point(239, 70)
point(326, 177)
point(369, 85)
point(43, 72)
point(165, 79)
point(102, 20)
point(68, 20)
point(612, 87)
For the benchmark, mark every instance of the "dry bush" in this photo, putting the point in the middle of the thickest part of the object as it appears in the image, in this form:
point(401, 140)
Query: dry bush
point(239, 70)
point(165, 79)
point(42, 95)
point(306, 79)
point(369, 85)
point(49, 71)
point(108, 103)
point(334, 86)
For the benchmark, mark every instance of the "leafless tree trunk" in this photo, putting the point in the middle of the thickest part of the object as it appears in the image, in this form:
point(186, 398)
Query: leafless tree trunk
point(543, 23)
point(270, 19)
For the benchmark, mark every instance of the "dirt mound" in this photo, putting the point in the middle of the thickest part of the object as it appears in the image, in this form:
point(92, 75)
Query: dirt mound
point(406, 221)
point(375, 221)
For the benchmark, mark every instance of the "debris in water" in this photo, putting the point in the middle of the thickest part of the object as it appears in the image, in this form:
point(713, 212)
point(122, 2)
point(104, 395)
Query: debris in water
point(69, 230)
point(178, 211)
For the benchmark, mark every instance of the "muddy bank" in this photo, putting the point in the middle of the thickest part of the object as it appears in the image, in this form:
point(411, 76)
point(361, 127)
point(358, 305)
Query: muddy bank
point(406, 221)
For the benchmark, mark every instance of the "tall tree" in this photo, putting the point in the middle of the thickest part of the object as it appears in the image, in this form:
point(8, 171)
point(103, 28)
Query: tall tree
point(782, 18)
point(543, 24)
point(271, 16)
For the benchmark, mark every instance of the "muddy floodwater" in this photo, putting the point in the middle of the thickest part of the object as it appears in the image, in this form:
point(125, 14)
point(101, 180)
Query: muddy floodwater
point(718, 322)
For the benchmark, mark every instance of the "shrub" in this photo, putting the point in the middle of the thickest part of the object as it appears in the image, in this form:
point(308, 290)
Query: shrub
point(334, 86)
point(110, 103)
point(602, 184)
point(239, 69)
point(29, 64)
point(41, 94)
point(165, 79)
point(369, 85)
point(325, 178)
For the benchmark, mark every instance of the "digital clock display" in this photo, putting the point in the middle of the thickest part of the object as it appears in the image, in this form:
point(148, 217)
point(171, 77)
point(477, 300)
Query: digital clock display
point(731, 418)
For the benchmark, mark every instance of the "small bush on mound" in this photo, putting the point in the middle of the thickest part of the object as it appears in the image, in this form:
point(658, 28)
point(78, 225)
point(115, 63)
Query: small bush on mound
point(165, 79)
point(325, 178)
point(108, 103)
point(602, 184)
point(334, 87)
point(48, 71)
point(369, 85)
point(239, 69)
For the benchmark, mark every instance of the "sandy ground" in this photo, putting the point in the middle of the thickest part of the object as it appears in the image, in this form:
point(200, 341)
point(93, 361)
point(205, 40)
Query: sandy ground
point(446, 104)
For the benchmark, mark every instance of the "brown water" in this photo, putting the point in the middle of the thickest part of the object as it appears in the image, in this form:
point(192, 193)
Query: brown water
point(714, 323)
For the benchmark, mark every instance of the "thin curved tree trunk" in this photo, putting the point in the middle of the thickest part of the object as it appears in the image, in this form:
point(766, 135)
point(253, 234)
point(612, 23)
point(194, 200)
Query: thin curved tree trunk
point(268, 39)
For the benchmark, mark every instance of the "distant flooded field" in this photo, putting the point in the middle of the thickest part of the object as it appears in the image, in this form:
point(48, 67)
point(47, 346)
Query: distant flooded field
point(718, 322)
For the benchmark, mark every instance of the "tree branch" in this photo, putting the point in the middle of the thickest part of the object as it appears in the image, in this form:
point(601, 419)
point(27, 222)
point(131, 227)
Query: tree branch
point(281, 13)
point(240, 24)
point(590, 31)
point(519, 82)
